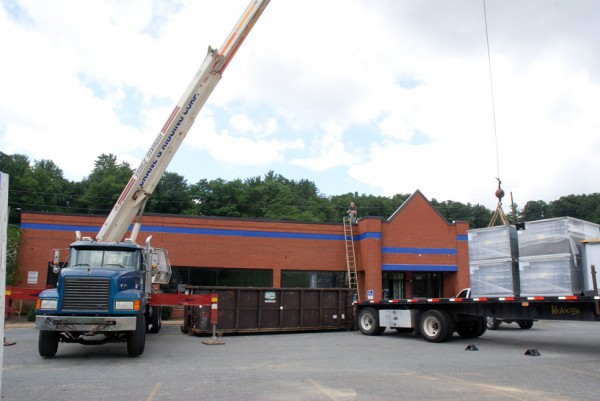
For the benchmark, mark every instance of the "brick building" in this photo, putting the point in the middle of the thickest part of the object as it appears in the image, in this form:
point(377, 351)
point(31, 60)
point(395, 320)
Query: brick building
point(414, 253)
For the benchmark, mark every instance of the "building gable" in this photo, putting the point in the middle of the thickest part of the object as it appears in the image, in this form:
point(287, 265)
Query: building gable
point(418, 223)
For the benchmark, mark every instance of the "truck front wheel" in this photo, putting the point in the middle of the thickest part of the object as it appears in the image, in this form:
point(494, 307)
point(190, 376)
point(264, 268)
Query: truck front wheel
point(136, 340)
point(436, 325)
point(368, 322)
point(48, 343)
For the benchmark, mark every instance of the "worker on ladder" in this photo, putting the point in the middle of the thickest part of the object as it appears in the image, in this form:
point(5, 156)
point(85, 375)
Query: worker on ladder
point(352, 212)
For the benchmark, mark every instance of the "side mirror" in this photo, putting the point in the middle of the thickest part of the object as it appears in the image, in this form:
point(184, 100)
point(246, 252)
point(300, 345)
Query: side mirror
point(155, 261)
point(56, 261)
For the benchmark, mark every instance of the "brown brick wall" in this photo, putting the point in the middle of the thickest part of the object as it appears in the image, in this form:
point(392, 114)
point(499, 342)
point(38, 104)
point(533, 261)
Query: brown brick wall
point(258, 244)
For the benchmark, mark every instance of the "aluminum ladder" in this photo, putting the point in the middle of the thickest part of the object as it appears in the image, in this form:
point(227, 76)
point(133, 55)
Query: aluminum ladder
point(350, 256)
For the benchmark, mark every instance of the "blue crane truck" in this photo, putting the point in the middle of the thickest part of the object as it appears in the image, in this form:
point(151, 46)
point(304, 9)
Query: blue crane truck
point(106, 289)
point(103, 295)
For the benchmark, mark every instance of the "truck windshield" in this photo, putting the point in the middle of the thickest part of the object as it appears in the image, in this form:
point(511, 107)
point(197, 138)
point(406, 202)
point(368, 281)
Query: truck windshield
point(119, 259)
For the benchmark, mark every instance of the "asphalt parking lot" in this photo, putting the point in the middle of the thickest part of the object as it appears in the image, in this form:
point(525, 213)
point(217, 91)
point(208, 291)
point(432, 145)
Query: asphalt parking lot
point(344, 365)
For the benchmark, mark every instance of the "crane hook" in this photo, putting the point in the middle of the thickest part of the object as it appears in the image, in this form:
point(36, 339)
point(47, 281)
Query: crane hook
point(499, 192)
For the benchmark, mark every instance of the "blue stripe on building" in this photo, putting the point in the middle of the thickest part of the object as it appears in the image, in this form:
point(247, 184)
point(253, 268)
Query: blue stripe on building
point(419, 251)
point(418, 268)
point(248, 233)
point(195, 231)
point(372, 235)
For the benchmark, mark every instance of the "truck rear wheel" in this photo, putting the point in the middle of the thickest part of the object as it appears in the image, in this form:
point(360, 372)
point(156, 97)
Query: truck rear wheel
point(155, 321)
point(525, 324)
point(436, 325)
point(368, 322)
point(136, 340)
point(48, 343)
point(492, 323)
point(472, 329)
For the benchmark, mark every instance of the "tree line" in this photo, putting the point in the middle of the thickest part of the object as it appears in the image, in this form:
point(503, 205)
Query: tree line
point(41, 186)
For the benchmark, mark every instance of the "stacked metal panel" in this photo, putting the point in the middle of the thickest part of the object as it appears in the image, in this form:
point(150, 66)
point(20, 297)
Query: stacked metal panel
point(550, 256)
point(493, 254)
point(560, 274)
point(591, 265)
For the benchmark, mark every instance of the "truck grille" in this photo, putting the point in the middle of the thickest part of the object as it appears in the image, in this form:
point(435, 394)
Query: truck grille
point(86, 293)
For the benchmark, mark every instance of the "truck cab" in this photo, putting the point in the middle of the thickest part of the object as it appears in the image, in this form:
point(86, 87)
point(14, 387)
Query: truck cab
point(102, 296)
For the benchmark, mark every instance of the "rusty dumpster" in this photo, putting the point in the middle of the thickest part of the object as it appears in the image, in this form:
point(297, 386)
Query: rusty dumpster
point(256, 310)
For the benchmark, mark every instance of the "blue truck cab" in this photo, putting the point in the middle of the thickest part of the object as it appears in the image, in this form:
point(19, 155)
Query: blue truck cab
point(102, 296)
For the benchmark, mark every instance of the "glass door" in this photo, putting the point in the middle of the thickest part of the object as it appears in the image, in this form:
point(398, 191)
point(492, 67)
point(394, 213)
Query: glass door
point(427, 285)
point(393, 285)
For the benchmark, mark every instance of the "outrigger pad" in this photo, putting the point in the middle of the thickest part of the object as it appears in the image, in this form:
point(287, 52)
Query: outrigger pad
point(532, 352)
point(213, 341)
point(471, 347)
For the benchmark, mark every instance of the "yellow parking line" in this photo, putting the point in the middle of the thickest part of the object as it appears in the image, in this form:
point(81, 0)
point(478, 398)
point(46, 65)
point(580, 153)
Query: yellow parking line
point(153, 392)
point(583, 372)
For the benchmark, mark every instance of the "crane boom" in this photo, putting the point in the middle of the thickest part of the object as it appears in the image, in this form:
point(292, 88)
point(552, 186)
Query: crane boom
point(145, 178)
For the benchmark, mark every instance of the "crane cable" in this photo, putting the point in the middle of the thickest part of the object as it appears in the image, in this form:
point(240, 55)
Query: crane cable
point(487, 39)
point(499, 213)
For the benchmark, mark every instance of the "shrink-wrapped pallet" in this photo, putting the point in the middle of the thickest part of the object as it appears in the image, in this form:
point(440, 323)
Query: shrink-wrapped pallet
point(499, 242)
point(551, 275)
point(494, 278)
point(555, 236)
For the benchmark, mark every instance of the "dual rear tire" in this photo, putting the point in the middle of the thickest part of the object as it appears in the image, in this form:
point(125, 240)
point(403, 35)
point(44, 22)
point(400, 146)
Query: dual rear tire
point(368, 322)
point(155, 320)
point(435, 325)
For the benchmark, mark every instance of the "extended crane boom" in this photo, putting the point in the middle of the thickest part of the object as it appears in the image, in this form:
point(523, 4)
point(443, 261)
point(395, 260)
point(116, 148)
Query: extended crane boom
point(142, 183)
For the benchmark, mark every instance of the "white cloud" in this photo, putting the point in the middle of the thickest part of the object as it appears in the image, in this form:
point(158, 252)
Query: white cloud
point(327, 151)
point(233, 149)
point(392, 95)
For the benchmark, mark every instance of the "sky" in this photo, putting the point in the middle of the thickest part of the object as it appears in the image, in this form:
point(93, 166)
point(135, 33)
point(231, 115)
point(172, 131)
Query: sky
point(377, 97)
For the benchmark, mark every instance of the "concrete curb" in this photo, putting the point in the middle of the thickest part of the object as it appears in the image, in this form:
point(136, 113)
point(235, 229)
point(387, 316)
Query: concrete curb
point(19, 325)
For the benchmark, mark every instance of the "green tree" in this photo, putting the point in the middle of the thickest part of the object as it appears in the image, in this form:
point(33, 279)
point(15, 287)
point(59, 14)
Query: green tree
point(477, 215)
point(311, 205)
point(22, 186)
point(271, 197)
point(52, 187)
point(535, 210)
point(582, 207)
point(171, 195)
point(219, 198)
point(480, 216)
point(368, 205)
point(13, 239)
point(104, 185)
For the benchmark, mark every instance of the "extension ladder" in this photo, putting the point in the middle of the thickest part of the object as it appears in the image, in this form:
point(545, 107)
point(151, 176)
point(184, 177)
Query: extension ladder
point(350, 256)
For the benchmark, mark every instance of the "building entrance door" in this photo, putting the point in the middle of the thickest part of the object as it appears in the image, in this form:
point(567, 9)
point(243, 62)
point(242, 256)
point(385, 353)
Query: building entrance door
point(427, 285)
point(393, 285)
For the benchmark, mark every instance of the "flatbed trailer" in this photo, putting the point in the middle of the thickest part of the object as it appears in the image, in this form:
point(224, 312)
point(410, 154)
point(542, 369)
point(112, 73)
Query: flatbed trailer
point(436, 319)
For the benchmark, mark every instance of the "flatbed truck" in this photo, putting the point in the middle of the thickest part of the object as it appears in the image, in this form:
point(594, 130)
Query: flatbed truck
point(470, 315)
point(437, 319)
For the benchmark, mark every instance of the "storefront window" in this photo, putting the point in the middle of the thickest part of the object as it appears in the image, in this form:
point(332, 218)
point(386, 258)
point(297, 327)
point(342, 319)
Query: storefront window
point(393, 285)
point(211, 277)
point(313, 279)
point(427, 285)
